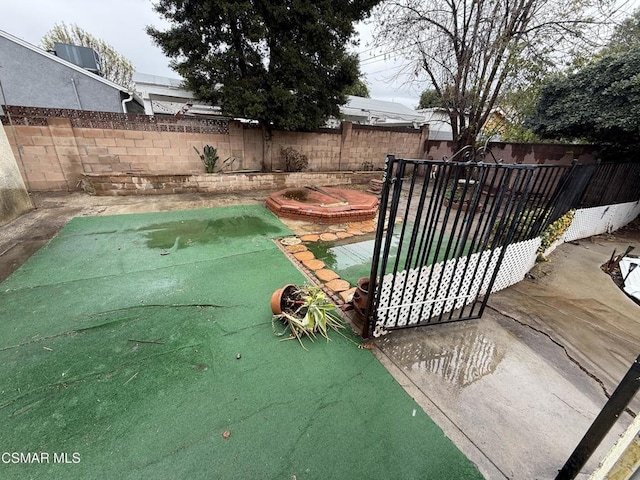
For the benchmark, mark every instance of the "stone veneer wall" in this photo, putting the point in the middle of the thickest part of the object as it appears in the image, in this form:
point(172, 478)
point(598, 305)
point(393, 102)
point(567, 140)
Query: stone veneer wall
point(56, 147)
point(134, 184)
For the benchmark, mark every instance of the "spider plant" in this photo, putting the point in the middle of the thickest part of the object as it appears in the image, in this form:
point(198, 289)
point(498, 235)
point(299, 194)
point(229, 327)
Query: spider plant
point(314, 314)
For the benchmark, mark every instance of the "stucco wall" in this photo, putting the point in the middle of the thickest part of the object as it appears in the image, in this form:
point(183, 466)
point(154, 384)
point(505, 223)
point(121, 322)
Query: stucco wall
point(14, 199)
point(33, 80)
point(56, 147)
point(528, 153)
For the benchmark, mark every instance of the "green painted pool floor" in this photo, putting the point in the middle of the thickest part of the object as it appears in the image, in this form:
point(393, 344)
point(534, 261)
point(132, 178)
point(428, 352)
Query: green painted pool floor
point(351, 258)
point(119, 346)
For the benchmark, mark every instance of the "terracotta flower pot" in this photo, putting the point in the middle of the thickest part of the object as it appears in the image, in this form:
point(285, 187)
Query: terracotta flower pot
point(360, 296)
point(279, 298)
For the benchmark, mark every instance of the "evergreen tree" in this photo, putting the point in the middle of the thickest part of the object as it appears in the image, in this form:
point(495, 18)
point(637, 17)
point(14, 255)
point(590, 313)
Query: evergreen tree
point(429, 99)
point(600, 103)
point(283, 63)
point(358, 89)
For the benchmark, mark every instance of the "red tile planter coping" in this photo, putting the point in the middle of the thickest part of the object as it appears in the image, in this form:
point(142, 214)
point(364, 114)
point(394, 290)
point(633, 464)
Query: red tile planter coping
point(325, 205)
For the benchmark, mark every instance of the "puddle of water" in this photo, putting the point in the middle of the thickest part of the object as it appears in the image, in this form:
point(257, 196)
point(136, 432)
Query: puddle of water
point(185, 233)
point(351, 258)
point(460, 356)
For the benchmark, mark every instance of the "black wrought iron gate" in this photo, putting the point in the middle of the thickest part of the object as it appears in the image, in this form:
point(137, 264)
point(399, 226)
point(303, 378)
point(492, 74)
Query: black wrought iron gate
point(443, 232)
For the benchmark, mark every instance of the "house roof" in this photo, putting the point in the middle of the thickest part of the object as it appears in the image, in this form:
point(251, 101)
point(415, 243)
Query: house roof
point(62, 61)
point(380, 109)
point(167, 95)
point(160, 85)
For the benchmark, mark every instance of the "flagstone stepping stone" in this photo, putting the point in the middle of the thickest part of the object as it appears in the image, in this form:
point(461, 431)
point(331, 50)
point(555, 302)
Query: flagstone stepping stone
point(328, 237)
point(338, 285)
point(347, 295)
point(314, 264)
point(342, 235)
point(295, 248)
point(326, 275)
point(302, 256)
point(310, 238)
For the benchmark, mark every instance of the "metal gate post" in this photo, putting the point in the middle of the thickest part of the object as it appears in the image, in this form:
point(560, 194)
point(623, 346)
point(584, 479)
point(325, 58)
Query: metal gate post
point(609, 414)
point(382, 213)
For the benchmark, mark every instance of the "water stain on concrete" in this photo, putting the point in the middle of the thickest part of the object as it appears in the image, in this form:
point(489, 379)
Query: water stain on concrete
point(460, 357)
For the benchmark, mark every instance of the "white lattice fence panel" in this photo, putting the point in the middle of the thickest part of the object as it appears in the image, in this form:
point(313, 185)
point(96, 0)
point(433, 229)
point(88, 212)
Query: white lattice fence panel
point(518, 260)
point(597, 220)
point(587, 222)
point(415, 295)
point(622, 214)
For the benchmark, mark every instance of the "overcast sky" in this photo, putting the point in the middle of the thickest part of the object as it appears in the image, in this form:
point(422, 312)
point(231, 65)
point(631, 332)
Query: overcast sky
point(122, 23)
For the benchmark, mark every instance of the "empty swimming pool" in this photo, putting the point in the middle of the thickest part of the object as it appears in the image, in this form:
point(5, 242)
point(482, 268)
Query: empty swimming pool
point(351, 258)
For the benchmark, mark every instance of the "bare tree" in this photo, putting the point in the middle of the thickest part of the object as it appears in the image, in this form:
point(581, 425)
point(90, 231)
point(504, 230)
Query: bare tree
point(113, 65)
point(471, 50)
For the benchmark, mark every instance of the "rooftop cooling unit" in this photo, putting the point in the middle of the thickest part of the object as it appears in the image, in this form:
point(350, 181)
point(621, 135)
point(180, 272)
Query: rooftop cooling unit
point(84, 57)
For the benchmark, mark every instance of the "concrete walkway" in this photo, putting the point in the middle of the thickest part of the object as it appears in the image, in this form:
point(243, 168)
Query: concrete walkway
point(516, 390)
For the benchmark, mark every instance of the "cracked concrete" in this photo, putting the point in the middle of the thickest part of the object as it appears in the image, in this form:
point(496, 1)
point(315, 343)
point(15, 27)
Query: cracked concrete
point(518, 389)
point(574, 360)
point(577, 306)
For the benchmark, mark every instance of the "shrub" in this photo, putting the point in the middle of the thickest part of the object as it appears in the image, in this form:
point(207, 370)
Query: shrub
point(294, 161)
point(555, 231)
point(209, 157)
point(366, 166)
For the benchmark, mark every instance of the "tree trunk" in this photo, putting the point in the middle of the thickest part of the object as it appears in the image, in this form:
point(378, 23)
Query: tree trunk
point(267, 147)
point(465, 137)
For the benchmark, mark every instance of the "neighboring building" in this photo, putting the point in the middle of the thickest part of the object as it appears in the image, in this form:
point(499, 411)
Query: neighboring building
point(496, 125)
point(439, 123)
point(166, 96)
point(367, 111)
point(33, 77)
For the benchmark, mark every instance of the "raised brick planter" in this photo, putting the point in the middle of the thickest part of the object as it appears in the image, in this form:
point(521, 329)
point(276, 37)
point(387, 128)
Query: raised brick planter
point(139, 184)
point(324, 205)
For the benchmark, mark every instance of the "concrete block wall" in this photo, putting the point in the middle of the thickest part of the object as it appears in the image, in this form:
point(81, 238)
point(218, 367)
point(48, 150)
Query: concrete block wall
point(322, 148)
point(55, 156)
point(56, 146)
point(365, 142)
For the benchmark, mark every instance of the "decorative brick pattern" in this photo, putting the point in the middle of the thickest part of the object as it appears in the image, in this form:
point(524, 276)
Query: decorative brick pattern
point(33, 116)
